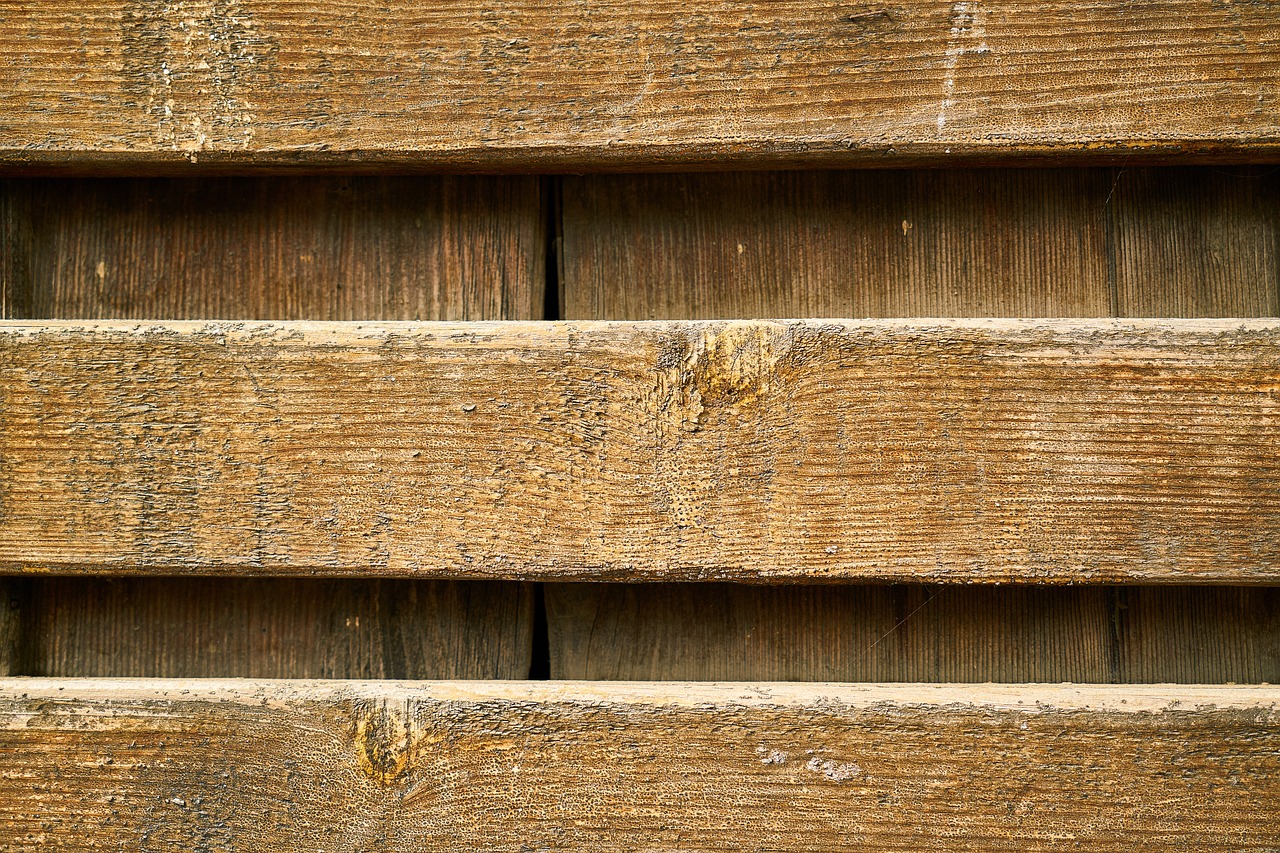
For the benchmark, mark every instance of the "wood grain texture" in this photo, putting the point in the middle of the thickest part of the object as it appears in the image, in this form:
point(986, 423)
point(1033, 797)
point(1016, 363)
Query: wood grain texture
point(127, 84)
point(256, 766)
point(275, 628)
point(861, 633)
point(1195, 242)
point(950, 450)
point(989, 243)
point(318, 249)
point(1081, 242)
point(447, 248)
point(10, 625)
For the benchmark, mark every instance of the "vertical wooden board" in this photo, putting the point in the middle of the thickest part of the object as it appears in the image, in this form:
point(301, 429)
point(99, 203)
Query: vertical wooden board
point(438, 248)
point(835, 244)
point(1211, 634)
point(15, 248)
point(10, 619)
point(723, 632)
point(434, 248)
point(1196, 242)
point(276, 628)
point(964, 243)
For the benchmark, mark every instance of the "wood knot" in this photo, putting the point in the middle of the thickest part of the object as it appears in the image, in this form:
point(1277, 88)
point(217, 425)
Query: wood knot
point(734, 363)
point(383, 741)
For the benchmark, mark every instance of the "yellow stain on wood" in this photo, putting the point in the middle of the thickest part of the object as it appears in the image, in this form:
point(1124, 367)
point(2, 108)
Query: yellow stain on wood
point(383, 741)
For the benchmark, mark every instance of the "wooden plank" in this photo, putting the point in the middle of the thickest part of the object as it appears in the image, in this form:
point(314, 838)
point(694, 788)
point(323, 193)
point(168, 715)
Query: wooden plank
point(508, 766)
point(275, 628)
point(990, 243)
point(732, 632)
point(1209, 237)
point(120, 84)
point(950, 450)
point(446, 248)
point(10, 622)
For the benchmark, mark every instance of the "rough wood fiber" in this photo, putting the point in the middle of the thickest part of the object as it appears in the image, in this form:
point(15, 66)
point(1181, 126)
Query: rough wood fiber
point(604, 83)
point(992, 243)
point(444, 248)
point(275, 628)
point(951, 450)
point(258, 766)
point(724, 632)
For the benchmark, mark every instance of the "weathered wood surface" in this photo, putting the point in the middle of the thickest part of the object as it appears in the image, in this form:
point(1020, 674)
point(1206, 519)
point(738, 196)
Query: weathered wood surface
point(273, 628)
point(445, 248)
point(1189, 242)
point(874, 633)
point(125, 84)
point(949, 450)
point(256, 766)
point(953, 243)
point(355, 248)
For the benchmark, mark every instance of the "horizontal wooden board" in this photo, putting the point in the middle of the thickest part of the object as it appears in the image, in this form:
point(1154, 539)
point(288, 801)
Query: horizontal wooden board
point(993, 450)
point(129, 85)
point(258, 766)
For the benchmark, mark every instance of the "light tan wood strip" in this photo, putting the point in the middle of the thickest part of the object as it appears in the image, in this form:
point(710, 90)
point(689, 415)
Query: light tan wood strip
point(127, 84)
point(949, 450)
point(507, 766)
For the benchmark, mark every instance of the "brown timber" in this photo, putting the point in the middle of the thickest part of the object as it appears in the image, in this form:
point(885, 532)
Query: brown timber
point(363, 766)
point(126, 85)
point(996, 450)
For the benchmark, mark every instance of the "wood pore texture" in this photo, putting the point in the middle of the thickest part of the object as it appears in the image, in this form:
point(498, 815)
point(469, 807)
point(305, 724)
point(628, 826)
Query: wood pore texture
point(965, 450)
point(130, 84)
point(1197, 242)
point(262, 766)
point(355, 248)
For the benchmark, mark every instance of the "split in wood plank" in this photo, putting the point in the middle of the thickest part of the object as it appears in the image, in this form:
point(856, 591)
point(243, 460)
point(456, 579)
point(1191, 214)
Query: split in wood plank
point(263, 766)
point(999, 450)
point(121, 85)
